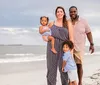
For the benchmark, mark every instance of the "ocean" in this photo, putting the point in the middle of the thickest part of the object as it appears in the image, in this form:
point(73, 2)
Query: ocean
point(30, 53)
point(22, 53)
point(27, 45)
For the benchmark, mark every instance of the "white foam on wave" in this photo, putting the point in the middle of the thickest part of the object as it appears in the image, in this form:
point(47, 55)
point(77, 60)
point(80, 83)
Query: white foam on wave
point(23, 59)
point(29, 57)
point(22, 54)
point(95, 53)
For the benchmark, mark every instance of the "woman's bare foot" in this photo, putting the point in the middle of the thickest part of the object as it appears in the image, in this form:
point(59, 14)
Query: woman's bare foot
point(53, 50)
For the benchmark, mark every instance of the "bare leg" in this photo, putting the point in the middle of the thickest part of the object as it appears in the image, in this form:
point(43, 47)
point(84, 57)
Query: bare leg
point(70, 83)
point(80, 73)
point(74, 83)
point(52, 44)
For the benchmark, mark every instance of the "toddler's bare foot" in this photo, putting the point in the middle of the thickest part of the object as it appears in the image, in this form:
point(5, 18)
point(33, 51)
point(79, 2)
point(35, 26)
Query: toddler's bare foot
point(53, 50)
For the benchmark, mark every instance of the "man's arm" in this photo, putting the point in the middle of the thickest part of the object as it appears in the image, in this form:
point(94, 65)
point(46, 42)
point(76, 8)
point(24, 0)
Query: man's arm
point(90, 39)
point(89, 36)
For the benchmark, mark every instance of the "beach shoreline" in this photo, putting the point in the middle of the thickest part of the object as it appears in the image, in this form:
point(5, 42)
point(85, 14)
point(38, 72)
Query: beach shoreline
point(34, 73)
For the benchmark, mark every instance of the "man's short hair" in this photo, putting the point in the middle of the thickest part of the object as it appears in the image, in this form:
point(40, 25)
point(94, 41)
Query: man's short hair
point(72, 7)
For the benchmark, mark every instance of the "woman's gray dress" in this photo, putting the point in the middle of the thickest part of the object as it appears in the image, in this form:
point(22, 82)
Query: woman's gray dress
point(54, 60)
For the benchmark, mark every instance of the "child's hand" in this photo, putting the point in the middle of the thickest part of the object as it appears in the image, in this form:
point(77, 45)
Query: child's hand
point(62, 69)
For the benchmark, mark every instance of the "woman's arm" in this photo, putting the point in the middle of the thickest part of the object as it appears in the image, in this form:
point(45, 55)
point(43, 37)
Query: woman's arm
point(70, 29)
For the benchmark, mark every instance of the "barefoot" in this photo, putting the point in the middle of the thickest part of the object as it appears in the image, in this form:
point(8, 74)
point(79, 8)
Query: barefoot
point(80, 84)
point(53, 50)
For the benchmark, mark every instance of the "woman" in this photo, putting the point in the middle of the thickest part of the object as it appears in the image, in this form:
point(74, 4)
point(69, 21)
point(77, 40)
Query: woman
point(61, 31)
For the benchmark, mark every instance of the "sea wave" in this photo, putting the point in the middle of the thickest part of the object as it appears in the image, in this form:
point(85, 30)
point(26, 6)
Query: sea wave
point(29, 57)
point(95, 53)
point(22, 59)
point(22, 54)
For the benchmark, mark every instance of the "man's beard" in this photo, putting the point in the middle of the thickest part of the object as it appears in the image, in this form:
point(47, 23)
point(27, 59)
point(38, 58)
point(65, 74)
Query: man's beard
point(76, 17)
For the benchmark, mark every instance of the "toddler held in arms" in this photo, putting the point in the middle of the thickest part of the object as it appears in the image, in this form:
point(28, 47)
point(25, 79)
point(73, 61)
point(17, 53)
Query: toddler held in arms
point(46, 32)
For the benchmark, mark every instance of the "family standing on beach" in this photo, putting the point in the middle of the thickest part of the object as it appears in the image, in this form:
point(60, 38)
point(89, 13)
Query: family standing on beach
point(65, 47)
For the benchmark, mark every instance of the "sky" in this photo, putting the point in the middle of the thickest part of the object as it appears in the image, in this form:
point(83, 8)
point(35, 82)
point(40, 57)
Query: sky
point(19, 18)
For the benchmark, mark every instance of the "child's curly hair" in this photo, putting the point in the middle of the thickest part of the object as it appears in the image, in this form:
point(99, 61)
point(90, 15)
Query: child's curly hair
point(44, 17)
point(69, 43)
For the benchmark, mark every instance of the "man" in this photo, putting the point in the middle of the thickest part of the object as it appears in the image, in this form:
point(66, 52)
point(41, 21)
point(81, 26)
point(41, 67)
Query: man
point(81, 29)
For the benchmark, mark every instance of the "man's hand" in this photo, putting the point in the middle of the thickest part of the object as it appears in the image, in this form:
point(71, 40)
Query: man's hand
point(91, 48)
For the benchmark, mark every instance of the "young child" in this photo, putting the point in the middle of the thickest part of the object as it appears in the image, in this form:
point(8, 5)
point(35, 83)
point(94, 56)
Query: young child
point(46, 32)
point(68, 65)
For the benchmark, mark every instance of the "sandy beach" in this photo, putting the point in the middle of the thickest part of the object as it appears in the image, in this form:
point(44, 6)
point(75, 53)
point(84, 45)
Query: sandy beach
point(23, 50)
point(34, 73)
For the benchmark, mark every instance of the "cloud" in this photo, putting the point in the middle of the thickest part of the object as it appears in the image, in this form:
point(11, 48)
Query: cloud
point(20, 36)
point(26, 13)
point(19, 19)
point(32, 37)
point(14, 31)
